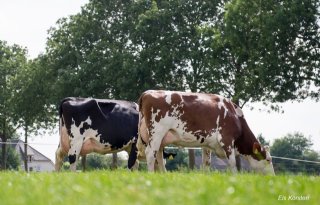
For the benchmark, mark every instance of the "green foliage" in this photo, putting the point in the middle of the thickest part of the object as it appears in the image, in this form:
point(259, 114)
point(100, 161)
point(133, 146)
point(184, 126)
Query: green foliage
point(98, 161)
point(30, 98)
point(12, 159)
point(295, 146)
point(179, 162)
point(12, 60)
point(251, 51)
point(269, 49)
point(292, 145)
point(124, 187)
point(262, 140)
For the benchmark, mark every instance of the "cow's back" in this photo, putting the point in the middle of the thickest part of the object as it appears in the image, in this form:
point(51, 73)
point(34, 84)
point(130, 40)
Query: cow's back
point(199, 112)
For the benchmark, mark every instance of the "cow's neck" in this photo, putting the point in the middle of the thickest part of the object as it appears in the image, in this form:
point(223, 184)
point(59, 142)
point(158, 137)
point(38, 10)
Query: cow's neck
point(244, 143)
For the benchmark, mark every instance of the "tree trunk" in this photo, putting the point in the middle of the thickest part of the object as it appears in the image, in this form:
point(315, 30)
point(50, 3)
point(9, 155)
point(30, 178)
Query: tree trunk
point(191, 159)
point(3, 153)
point(4, 148)
point(238, 162)
point(26, 148)
point(84, 162)
point(114, 161)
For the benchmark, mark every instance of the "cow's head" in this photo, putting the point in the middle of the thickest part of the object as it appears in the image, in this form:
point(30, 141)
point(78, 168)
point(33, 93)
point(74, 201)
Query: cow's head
point(261, 160)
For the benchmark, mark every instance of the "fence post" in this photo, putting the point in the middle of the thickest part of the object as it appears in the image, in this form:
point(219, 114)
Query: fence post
point(191, 159)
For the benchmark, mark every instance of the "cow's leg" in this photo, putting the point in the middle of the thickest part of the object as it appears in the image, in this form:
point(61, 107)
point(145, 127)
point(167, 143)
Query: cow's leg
point(232, 161)
point(63, 147)
point(206, 158)
point(160, 161)
point(153, 149)
point(60, 154)
point(74, 154)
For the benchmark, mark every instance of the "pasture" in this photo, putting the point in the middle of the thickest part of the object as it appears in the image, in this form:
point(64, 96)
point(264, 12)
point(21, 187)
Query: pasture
point(124, 187)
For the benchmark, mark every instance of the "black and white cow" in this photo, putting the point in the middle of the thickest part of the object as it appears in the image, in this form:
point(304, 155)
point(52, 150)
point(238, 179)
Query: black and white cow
point(95, 125)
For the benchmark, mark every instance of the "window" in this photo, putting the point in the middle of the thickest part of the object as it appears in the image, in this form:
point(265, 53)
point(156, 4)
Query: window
point(30, 158)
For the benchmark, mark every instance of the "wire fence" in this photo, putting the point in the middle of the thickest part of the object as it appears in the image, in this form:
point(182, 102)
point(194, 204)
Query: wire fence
point(281, 164)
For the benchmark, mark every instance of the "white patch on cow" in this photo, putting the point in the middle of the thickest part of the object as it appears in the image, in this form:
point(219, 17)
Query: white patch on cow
point(78, 138)
point(239, 112)
point(232, 160)
point(168, 98)
point(221, 104)
point(137, 106)
point(218, 118)
point(126, 145)
point(88, 120)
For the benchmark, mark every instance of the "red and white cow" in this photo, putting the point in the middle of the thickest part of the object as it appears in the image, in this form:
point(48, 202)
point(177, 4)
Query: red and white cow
point(197, 120)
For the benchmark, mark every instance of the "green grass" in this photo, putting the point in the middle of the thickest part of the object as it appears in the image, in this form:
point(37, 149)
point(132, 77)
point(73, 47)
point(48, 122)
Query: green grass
point(124, 187)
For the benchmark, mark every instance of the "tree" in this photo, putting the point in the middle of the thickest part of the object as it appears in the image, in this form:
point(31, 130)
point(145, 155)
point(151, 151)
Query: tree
point(295, 146)
point(12, 159)
point(312, 168)
point(29, 99)
point(12, 59)
point(268, 50)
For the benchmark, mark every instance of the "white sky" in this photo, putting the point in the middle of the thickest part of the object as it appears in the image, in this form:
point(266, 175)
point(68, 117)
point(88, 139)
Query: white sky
point(26, 23)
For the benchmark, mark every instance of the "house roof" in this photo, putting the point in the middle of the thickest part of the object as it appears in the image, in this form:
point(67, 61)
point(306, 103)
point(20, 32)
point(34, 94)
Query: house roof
point(37, 156)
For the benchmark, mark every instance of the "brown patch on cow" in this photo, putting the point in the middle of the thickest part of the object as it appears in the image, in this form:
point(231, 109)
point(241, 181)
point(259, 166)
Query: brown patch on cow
point(231, 126)
point(200, 114)
point(154, 103)
point(245, 143)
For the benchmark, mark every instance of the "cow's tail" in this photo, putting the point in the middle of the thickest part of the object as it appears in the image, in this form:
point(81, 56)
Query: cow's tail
point(61, 121)
point(59, 153)
point(140, 142)
point(140, 111)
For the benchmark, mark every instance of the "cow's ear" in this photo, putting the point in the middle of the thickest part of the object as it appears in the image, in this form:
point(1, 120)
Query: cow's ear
point(256, 148)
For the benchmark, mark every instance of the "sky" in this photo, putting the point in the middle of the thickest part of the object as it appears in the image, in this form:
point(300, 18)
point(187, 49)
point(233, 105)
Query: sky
point(26, 23)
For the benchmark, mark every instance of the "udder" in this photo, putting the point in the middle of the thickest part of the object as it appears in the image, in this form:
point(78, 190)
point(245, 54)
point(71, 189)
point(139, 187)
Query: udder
point(92, 145)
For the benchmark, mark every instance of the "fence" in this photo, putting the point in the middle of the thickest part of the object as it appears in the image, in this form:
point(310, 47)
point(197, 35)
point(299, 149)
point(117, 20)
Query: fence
point(281, 164)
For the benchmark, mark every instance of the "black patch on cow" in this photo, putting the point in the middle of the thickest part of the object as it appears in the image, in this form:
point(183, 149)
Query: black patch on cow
point(132, 155)
point(72, 158)
point(85, 127)
point(202, 140)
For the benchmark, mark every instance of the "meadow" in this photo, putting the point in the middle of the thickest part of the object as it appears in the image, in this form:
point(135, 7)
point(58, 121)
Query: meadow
point(175, 188)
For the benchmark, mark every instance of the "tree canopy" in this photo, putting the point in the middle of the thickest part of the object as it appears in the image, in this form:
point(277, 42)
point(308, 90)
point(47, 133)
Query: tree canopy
point(295, 146)
point(246, 50)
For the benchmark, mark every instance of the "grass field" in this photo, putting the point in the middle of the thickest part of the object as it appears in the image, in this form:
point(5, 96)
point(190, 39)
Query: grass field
point(175, 188)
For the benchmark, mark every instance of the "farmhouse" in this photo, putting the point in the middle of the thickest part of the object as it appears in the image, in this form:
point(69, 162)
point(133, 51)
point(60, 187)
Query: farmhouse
point(37, 162)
